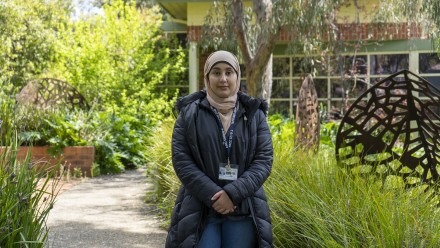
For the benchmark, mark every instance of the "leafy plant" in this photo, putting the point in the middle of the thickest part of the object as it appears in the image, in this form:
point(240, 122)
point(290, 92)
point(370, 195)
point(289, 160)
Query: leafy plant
point(282, 128)
point(120, 141)
point(26, 198)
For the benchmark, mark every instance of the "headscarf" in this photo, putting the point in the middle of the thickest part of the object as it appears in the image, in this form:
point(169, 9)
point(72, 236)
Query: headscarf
point(223, 105)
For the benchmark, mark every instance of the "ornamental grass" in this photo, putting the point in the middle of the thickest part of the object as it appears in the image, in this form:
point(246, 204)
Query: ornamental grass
point(316, 203)
point(26, 198)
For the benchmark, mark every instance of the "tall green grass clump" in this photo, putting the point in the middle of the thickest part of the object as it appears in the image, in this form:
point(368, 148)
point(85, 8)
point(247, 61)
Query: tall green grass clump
point(26, 198)
point(316, 203)
point(161, 171)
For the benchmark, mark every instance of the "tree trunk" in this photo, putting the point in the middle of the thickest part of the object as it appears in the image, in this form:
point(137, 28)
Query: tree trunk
point(259, 64)
point(259, 80)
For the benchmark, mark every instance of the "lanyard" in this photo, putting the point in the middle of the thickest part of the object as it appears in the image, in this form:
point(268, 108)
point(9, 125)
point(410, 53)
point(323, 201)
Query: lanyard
point(227, 142)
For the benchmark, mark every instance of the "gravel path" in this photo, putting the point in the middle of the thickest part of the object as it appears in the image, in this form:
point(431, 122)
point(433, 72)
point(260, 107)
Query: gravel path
point(106, 211)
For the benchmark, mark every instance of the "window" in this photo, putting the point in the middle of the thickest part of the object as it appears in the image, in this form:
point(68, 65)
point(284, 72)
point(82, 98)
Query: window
point(429, 68)
point(339, 80)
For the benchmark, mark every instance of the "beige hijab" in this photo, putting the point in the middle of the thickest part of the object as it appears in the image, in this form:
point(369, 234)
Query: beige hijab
point(223, 105)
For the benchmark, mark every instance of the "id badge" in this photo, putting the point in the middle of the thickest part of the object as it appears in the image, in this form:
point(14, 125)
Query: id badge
point(228, 172)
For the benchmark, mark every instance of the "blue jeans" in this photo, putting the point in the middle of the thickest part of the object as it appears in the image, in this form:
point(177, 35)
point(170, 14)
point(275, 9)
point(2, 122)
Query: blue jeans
point(224, 233)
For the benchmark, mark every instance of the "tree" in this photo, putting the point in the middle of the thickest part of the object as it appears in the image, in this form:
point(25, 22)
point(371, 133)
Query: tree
point(422, 16)
point(117, 58)
point(255, 31)
point(28, 34)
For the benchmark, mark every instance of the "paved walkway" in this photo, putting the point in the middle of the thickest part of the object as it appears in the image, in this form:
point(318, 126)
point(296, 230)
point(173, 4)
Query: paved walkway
point(107, 212)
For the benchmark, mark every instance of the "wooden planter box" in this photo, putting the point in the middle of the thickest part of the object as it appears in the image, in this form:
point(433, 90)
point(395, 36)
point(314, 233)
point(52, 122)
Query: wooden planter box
point(72, 157)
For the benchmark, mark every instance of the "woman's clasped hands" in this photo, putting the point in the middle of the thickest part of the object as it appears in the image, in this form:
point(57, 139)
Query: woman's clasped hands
point(222, 203)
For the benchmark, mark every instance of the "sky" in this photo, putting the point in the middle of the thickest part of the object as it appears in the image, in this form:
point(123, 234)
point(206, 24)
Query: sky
point(84, 7)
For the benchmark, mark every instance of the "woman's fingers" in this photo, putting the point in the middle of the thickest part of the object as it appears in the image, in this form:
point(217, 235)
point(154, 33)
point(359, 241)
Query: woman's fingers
point(222, 203)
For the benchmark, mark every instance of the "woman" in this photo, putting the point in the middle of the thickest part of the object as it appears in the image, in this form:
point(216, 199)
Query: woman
point(222, 153)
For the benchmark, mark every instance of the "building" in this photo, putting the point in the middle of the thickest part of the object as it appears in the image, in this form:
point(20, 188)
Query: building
point(376, 52)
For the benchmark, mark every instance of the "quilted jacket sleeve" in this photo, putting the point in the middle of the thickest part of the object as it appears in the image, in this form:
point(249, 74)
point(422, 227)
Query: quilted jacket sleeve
point(192, 177)
point(260, 165)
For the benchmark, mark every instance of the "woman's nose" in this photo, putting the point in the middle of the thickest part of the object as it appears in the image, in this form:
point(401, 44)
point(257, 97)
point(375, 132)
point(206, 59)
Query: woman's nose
point(223, 77)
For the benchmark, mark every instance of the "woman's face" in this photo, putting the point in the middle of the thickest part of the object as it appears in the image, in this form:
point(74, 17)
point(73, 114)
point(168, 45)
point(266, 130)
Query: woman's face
point(223, 80)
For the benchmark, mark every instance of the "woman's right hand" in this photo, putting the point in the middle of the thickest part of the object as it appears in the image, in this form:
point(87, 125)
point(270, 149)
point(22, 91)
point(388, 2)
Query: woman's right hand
point(222, 203)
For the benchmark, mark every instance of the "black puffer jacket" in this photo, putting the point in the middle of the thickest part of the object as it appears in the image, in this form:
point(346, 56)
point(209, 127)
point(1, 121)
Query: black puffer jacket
point(197, 150)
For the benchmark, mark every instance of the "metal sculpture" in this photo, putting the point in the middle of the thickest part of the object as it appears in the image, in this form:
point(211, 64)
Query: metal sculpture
point(307, 116)
point(393, 128)
point(50, 92)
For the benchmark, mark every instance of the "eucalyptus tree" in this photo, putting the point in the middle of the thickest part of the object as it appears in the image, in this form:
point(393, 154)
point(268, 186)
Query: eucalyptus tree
point(311, 26)
point(256, 28)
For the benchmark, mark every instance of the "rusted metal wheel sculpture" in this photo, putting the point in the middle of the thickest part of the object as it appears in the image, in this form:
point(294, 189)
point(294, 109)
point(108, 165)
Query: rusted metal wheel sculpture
point(50, 92)
point(307, 116)
point(393, 129)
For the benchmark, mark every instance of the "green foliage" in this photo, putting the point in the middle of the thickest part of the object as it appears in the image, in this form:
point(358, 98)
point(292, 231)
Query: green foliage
point(120, 141)
point(308, 21)
point(421, 15)
point(7, 116)
point(117, 59)
point(26, 198)
point(316, 203)
point(282, 128)
point(28, 35)
point(161, 171)
point(328, 134)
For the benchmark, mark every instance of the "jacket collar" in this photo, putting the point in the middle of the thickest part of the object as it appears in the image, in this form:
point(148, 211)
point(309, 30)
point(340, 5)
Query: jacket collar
point(250, 104)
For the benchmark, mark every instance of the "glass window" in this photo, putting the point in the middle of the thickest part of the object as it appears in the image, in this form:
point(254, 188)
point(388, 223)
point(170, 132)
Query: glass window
point(354, 87)
point(429, 63)
point(296, 87)
point(304, 65)
point(435, 109)
point(388, 64)
point(338, 89)
point(434, 81)
point(321, 87)
point(280, 88)
point(280, 67)
point(348, 65)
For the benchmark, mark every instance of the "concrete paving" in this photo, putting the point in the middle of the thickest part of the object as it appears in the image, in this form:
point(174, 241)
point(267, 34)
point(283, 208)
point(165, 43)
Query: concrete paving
point(106, 212)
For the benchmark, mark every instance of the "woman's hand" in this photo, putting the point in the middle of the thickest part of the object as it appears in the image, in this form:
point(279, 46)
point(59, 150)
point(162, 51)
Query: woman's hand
point(222, 203)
